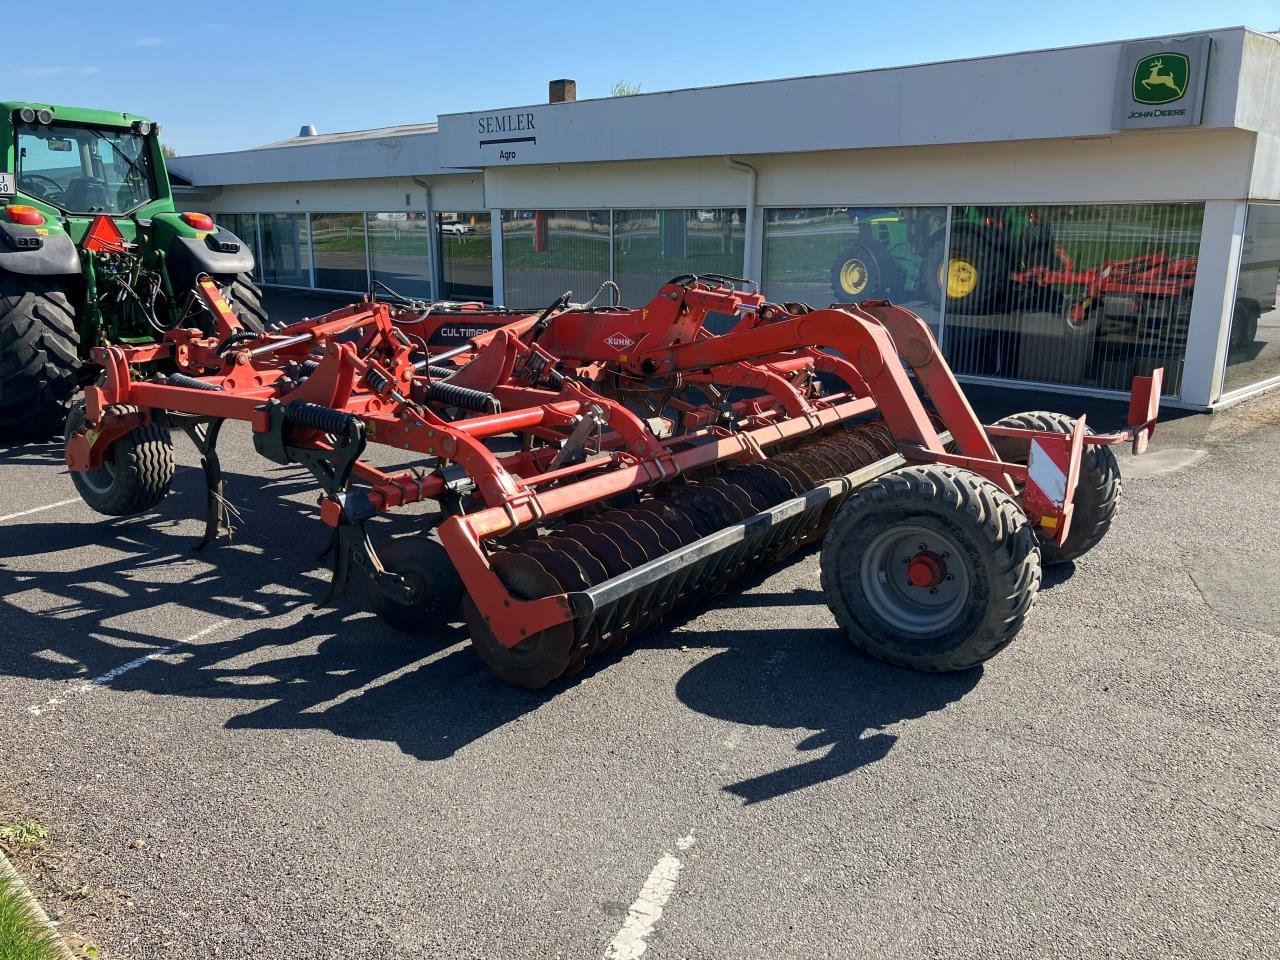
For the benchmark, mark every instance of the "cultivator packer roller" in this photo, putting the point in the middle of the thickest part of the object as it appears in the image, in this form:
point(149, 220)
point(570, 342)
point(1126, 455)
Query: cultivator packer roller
point(595, 469)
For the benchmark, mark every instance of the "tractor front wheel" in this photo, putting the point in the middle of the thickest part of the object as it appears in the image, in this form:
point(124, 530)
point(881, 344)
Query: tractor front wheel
point(1097, 491)
point(972, 276)
point(39, 357)
point(245, 298)
point(930, 567)
point(136, 469)
point(864, 271)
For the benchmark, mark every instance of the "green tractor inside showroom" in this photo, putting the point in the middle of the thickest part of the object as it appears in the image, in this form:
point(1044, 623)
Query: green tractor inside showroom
point(92, 251)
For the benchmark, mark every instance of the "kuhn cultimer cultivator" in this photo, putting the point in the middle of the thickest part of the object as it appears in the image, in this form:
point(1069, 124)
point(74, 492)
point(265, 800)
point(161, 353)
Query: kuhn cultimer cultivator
point(596, 468)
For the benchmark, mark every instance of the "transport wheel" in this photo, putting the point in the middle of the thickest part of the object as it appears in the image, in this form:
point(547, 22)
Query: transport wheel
point(136, 469)
point(39, 357)
point(930, 567)
point(863, 271)
point(436, 586)
point(246, 300)
point(1097, 492)
point(540, 657)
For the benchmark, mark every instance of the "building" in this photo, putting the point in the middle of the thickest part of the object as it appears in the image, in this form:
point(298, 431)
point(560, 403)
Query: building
point(1067, 217)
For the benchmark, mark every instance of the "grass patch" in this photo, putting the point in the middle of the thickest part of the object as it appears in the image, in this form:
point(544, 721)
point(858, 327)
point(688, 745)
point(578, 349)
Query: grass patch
point(22, 937)
point(30, 835)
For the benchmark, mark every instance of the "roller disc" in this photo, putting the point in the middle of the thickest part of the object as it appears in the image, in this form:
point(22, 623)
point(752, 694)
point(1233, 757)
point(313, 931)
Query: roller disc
point(757, 490)
point(705, 521)
point(635, 554)
point(676, 521)
point(794, 481)
point(841, 454)
point(569, 575)
point(736, 495)
point(639, 531)
point(860, 445)
point(539, 658)
point(878, 432)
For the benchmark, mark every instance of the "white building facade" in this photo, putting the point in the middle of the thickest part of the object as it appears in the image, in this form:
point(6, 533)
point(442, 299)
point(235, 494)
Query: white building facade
point(1066, 218)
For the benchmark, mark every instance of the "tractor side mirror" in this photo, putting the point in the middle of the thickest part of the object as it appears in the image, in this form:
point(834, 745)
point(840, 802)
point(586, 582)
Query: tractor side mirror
point(59, 146)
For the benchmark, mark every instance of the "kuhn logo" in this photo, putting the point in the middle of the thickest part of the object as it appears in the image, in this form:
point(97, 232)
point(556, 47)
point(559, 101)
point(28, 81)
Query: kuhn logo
point(619, 341)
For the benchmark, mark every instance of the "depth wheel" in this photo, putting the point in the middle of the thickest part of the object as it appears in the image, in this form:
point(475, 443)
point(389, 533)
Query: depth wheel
point(930, 567)
point(432, 579)
point(136, 469)
point(1097, 491)
point(539, 658)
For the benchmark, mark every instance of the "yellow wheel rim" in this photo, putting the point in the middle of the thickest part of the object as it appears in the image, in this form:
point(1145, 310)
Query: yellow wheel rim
point(853, 277)
point(961, 277)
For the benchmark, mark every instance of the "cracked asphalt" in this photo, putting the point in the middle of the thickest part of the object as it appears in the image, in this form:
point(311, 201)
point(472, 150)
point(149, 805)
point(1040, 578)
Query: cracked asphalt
point(291, 782)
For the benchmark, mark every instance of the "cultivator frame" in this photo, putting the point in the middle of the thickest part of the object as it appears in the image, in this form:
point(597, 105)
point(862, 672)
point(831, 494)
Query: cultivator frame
point(656, 461)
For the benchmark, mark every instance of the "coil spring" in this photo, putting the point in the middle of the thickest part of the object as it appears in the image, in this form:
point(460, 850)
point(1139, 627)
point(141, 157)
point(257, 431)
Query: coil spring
point(191, 383)
point(452, 395)
point(317, 417)
point(439, 372)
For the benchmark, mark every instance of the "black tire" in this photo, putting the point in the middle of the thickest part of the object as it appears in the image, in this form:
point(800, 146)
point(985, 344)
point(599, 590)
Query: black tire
point(436, 585)
point(1097, 492)
point(39, 357)
point(136, 470)
point(983, 591)
point(245, 298)
point(864, 271)
point(1244, 323)
point(974, 275)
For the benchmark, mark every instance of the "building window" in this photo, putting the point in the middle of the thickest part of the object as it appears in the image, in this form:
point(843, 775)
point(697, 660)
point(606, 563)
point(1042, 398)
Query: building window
point(1088, 295)
point(652, 246)
point(337, 244)
point(286, 253)
point(821, 255)
point(400, 253)
point(546, 252)
point(1253, 348)
point(466, 255)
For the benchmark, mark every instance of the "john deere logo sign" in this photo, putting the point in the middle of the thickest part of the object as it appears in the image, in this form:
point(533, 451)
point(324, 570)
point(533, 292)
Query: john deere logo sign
point(1161, 78)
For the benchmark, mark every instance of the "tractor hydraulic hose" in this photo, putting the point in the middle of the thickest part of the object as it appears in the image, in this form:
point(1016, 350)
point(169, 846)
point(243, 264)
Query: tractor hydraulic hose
point(191, 383)
point(452, 395)
point(240, 336)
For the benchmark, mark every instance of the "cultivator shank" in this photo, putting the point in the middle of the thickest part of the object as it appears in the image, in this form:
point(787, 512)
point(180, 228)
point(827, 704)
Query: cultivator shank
point(597, 468)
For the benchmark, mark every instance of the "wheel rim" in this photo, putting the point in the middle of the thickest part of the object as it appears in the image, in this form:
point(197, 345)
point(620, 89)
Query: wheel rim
point(961, 278)
point(102, 479)
point(854, 276)
point(915, 578)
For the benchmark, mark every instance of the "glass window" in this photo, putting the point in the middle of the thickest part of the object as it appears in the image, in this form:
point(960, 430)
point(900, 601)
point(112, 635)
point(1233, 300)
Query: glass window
point(546, 252)
point(85, 169)
point(399, 252)
point(822, 254)
point(652, 246)
point(245, 227)
point(1088, 295)
point(286, 253)
point(337, 244)
point(1253, 350)
point(466, 255)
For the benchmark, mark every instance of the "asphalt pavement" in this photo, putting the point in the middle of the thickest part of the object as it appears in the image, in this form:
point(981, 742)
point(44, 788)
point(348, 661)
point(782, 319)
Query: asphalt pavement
point(231, 772)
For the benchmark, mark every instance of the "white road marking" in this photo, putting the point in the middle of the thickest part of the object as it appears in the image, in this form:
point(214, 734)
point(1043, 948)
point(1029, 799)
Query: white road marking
point(632, 940)
point(134, 664)
point(47, 506)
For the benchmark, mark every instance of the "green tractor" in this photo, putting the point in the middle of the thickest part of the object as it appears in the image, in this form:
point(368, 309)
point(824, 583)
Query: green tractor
point(92, 251)
point(903, 255)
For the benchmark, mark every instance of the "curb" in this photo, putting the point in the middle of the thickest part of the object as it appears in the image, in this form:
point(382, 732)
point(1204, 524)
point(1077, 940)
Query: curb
point(33, 906)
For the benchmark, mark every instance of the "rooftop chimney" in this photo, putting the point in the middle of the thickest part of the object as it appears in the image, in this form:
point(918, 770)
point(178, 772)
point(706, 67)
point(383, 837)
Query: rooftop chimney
point(562, 91)
point(308, 130)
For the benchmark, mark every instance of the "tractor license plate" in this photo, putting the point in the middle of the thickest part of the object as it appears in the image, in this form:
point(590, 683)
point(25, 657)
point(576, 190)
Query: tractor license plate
point(7, 187)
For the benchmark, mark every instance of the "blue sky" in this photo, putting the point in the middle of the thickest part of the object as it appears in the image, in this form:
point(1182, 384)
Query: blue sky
point(232, 75)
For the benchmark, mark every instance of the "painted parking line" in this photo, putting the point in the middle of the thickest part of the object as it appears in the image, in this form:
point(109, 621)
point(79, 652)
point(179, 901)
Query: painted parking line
point(633, 939)
point(47, 506)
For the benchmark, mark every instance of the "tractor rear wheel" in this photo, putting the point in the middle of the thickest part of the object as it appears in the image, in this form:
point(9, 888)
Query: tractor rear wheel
point(245, 298)
point(930, 567)
point(136, 469)
point(39, 357)
point(1097, 491)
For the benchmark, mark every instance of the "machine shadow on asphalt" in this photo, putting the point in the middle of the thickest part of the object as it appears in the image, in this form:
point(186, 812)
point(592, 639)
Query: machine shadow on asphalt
point(340, 669)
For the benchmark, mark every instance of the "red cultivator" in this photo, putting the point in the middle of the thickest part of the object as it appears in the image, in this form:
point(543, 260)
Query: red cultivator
point(595, 468)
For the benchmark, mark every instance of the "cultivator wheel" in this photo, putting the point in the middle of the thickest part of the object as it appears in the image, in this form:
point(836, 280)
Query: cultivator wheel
point(136, 470)
point(930, 567)
point(1097, 491)
point(435, 590)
